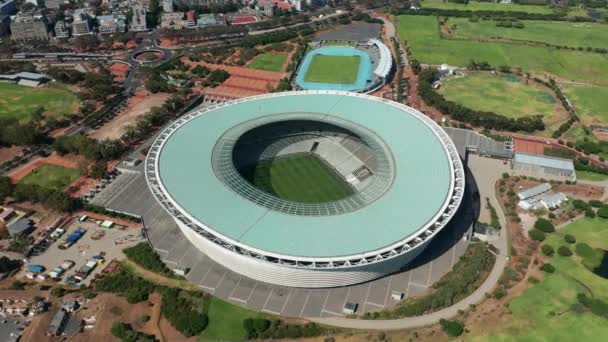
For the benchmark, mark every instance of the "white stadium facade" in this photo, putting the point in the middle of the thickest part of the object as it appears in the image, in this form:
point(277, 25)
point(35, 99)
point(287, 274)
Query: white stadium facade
point(405, 173)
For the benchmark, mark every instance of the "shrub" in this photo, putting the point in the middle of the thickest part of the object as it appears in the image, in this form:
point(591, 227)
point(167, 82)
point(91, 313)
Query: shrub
point(547, 250)
point(589, 213)
point(569, 238)
point(499, 293)
point(544, 225)
point(603, 211)
point(564, 251)
point(548, 268)
point(584, 250)
point(143, 255)
point(452, 328)
point(58, 292)
point(536, 235)
point(533, 280)
point(596, 203)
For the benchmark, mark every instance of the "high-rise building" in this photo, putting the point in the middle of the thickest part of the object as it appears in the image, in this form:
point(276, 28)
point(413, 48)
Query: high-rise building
point(29, 26)
point(61, 30)
point(52, 4)
point(138, 21)
point(81, 25)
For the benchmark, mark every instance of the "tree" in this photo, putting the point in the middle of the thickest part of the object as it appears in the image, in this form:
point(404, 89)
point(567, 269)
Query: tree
point(452, 328)
point(544, 225)
point(536, 235)
point(6, 188)
point(98, 170)
point(547, 250)
point(564, 251)
point(603, 212)
point(548, 268)
point(86, 42)
point(570, 238)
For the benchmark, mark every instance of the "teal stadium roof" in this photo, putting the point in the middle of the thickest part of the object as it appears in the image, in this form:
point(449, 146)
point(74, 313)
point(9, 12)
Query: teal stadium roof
point(421, 191)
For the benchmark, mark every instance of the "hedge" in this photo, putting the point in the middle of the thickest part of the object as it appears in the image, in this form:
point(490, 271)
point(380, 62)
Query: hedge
point(548, 268)
point(570, 238)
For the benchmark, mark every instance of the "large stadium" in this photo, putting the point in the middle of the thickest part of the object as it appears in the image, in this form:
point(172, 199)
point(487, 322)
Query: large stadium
point(308, 188)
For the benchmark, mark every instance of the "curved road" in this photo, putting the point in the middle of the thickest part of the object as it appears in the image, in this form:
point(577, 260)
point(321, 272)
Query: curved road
point(486, 172)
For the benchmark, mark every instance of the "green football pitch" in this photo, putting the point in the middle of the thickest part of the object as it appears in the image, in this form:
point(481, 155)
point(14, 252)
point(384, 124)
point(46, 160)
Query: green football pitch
point(301, 178)
point(51, 176)
point(333, 69)
point(20, 102)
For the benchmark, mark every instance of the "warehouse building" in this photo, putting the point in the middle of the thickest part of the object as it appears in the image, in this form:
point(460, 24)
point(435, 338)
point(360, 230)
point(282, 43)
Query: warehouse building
point(543, 166)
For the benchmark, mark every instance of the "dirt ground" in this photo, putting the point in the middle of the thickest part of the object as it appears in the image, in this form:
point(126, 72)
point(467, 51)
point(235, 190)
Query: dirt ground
point(119, 71)
point(138, 105)
point(8, 153)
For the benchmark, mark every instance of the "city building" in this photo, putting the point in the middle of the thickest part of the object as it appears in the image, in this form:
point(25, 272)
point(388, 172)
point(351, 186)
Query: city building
point(275, 4)
point(167, 6)
point(544, 166)
point(138, 21)
point(6, 214)
point(80, 25)
point(384, 159)
point(190, 19)
point(107, 24)
point(22, 226)
point(174, 20)
point(206, 3)
point(61, 29)
point(209, 19)
point(52, 4)
point(29, 26)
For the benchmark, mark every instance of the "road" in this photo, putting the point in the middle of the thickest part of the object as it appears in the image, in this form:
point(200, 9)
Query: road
point(486, 172)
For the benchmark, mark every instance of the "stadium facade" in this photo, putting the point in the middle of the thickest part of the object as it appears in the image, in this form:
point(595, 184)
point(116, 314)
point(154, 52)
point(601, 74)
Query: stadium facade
point(406, 176)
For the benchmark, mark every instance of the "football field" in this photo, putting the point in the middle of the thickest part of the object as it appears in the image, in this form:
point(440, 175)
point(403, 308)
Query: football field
point(333, 69)
point(301, 178)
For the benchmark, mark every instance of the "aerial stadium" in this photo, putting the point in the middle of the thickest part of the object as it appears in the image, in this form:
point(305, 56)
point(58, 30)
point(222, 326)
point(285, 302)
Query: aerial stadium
point(362, 67)
point(307, 188)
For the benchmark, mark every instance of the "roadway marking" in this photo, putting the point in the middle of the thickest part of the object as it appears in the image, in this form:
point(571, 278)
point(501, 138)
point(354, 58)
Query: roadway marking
point(286, 300)
point(418, 285)
point(325, 301)
point(206, 274)
point(253, 289)
point(374, 304)
point(271, 311)
point(369, 286)
point(235, 287)
point(305, 301)
point(221, 280)
point(453, 255)
point(267, 299)
point(388, 289)
point(428, 280)
point(331, 312)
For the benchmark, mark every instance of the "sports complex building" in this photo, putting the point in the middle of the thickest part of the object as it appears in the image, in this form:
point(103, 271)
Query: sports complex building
point(310, 188)
point(362, 67)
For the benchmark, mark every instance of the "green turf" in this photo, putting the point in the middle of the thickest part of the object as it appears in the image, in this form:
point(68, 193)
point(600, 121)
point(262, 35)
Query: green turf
point(302, 178)
point(504, 95)
point(51, 176)
point(226, 321)
point(590, 103)
point(487, 6)
point(553, 32)
point(268, 62)
point(19, 102)
point(591, 176)
point(422, 34)
point(333, 69)
point(543, 312)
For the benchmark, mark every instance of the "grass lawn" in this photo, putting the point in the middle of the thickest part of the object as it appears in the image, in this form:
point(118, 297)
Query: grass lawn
point(552, 32)
point(333, 69)
point(590, 103)
point(422, 34)
point(301, 178)
point(51, 176)
point(226, 321)
point(543, 312)
point(504, 95)
point(487, 6)
point(268, 62)
point(19, 102)
point(591, 176)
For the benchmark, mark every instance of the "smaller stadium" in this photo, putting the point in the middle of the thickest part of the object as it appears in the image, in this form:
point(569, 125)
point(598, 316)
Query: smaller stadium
point(355, 66)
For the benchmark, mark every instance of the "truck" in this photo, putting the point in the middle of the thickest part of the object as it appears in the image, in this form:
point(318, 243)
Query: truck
point(35, 268)
point(56, 273)
point(72, 238)
point(67, 264)
point(85, 270)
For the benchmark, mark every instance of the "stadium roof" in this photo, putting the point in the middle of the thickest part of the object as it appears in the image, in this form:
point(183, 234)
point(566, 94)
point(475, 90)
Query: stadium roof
point(386, 59)
point(421, 190)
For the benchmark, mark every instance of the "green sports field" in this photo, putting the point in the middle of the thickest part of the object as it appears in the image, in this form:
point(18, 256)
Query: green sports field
point(552, 32)
point(544, 312)
point(590, 103)
point(51, 176)
point(333, 69)
point(301, 178)
point(19, 102)
point(422, 34)
point(504, 95)
point(487, 6)
point(268, 62)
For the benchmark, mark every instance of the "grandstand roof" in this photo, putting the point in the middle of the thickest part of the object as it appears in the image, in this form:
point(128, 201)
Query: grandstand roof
point(419, 195)
point(386, 59)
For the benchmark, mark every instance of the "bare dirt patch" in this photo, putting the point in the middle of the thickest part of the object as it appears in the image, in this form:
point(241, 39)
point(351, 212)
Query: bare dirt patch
point(8, 153)
point(138, 105)
point(119, 71)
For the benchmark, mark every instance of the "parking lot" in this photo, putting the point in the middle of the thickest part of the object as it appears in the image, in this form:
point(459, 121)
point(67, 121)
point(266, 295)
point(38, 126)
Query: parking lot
point(111, 244)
